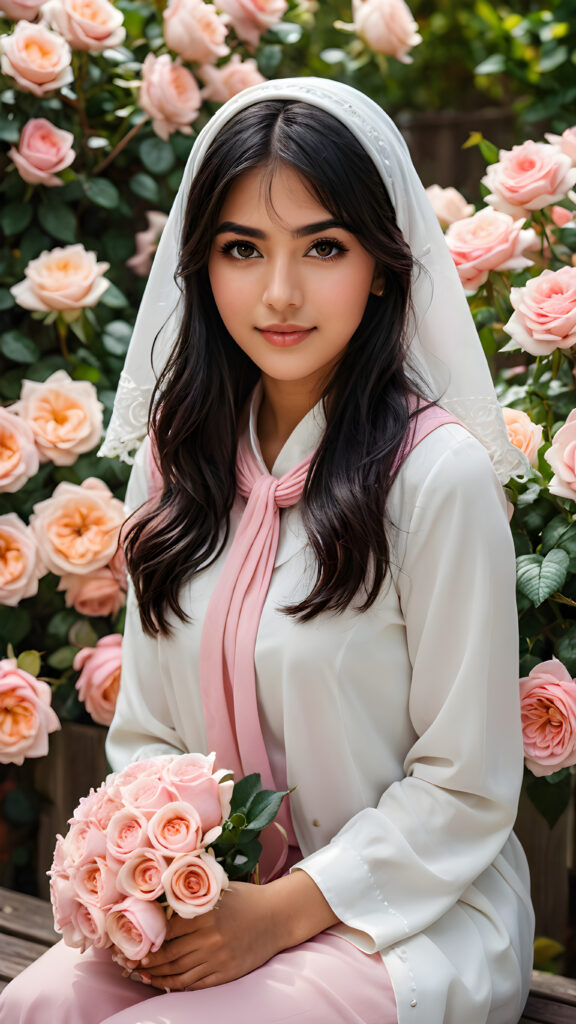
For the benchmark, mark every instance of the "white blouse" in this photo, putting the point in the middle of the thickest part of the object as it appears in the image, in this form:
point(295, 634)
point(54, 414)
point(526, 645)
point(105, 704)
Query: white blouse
point(399, 728)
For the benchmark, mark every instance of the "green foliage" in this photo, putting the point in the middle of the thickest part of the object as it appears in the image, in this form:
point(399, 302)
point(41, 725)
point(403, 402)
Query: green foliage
point(252, 809)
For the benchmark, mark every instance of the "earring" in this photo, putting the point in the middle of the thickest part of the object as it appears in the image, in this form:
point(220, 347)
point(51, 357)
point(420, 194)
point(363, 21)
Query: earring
point(378, 288)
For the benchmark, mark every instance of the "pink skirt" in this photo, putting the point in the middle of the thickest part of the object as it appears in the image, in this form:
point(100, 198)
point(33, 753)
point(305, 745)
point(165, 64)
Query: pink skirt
point(324, 981)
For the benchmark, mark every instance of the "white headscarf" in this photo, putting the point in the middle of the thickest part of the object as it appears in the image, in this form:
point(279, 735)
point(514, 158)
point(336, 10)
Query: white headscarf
point(445, 346)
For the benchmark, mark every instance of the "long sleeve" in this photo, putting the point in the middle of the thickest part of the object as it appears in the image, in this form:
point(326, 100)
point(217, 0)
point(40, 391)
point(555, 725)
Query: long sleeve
point(396, 868)
point(142, 725)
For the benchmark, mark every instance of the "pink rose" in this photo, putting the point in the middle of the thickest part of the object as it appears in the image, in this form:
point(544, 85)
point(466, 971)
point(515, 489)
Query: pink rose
point(566, 142)
point(62, 899)
point(545, 312)
point(92, 25)
point(523, 433)
point(20, 10)
point(194, 30)
point(83, 841)
point(251, 18)
point(64, 278)
point(43, 150)
point(20, 563)
point(97, 594)
point(487, 241)
point(448, 204)
point(193, 883)
point(191, 776)
point(175, 828)
point(147, 243)
point(18, 453)
point(99, 806)
point(231, 78)
point(561, 216)
point(38, 60)
point(548, 705)
point(94, 883)
point(148, 795)
point(386, 26)
point(127, 832)
point(90, 922)
point(562, 457)
point(528, 177)
point(77, 528)
point(137, 927)
point(141, 874)
point(169, 94)
point(99, 680)
point(64, 415)
point(26, 717)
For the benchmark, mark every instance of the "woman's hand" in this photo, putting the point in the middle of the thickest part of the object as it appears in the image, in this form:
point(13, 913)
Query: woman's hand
point(250, 925)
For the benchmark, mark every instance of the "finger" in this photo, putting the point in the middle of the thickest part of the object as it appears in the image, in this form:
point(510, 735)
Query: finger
point(178, 950)
point(186, 980)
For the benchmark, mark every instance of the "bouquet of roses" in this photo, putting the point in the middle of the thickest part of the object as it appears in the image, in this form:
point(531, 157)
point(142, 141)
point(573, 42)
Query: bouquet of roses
point(163, 836)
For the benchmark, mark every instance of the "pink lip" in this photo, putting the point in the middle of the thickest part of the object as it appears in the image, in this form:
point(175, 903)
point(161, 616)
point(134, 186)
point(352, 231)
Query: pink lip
point(284, 335)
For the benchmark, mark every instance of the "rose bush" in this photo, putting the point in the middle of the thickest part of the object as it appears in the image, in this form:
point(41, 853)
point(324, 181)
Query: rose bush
point(42, 151)
point(20, 564)
point(26, 715)
point(37, 59)
point(64, 415)
point(548, 702)
point(99, 681)
point(386, 26)
point(64, 278)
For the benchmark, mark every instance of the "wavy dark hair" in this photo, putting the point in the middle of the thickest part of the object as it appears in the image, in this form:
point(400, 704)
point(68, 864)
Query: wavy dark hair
point(199, 397)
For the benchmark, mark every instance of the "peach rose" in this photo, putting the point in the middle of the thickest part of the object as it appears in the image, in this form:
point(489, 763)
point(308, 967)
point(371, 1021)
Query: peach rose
point(195, 30)
point(561, 216)
point(26, 717)
point(99, 806)
point(18, 453)
point(92, 25)
point(127, 832)
point(566, 142)
point(544, 315)
point(251, 18)
point(137, 927)
point(61, 898)
point(83, 841)
point(231, 78)
point(489, 240)
point(562, 457)
point(141, 874)
point(386, 26)
point(94, 883)
point(77, 528)
point(148, 795)
point(97, 594)
point(193, 883)
point(548, 706)
point(523, 433)
point(64, 278)
point(20, 563)
point(90, 922)
point(20, 10)
point(528, 177)
point(191, 777)
point(43, 150)
point(147, 243)
point(64, 415)
point(169, 94)
point(448, 204)
point(175, 828)
point(38, 60)
point(99, 680)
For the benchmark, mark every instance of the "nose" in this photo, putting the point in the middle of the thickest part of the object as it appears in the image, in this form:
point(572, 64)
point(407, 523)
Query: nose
point(282, 287)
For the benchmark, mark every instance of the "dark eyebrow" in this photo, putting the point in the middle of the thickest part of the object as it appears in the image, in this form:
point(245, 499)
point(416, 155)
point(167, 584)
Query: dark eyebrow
point(232, 227)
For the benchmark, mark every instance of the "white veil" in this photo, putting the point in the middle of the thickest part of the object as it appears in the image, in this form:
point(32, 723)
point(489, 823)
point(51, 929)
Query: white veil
point(445, 346)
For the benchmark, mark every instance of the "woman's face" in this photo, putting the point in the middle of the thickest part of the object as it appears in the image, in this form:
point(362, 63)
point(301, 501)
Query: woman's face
point(290, 283)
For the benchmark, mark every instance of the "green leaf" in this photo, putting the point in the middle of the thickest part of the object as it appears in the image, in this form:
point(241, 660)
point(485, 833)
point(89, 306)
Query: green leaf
point(18, 348)
point(116, 337)
point(489, 151)
point(30, 661)
point(559, 533)
point(9, 131)
point(493, 65)
point(157, 156)
point(63, 657)
point(269, 60)
point(58, 220)
point(550, 801)
point(553, 59)
point(15, 218)
point(566, 649)
point(144, 186)
point(114, 298)
point(244, 792)
point(102, 192)
point(60, 623)
point(333, 55)
point(263, 809)
point(539, 577)
point(6, 299)
point(82, 634)
point(14, 624)
point(287, 32)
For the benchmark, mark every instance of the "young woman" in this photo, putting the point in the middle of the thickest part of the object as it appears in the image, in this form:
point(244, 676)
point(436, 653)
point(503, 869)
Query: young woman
point(323, 589)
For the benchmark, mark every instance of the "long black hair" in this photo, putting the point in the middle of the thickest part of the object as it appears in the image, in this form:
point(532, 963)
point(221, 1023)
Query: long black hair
point(200, 395)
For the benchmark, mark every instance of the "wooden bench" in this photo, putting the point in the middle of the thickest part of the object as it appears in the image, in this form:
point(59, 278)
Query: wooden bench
point(26, 931)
